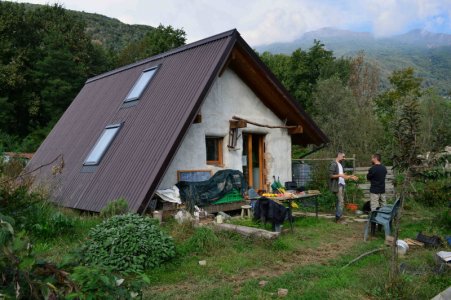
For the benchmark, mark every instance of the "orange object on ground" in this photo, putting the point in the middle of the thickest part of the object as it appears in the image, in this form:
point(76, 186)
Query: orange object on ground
point(352, 207)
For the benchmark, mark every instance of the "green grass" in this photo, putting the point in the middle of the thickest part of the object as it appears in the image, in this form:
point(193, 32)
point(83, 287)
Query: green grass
point(309, 261)
point(57, 249)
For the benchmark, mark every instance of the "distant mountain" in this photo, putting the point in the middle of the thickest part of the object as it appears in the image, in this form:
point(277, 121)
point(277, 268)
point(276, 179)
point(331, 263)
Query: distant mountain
point(106, 31)
point(429, 53)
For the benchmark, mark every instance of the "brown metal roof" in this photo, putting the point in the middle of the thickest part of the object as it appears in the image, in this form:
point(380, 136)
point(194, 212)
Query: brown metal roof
point(152, 129)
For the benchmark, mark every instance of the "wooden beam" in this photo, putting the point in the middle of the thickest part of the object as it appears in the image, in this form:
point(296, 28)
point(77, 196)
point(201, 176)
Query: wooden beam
point(248, 231)
point(296, 130)
point(250, 160)
point(267, 126)
point(237, 124)
point(198, 119)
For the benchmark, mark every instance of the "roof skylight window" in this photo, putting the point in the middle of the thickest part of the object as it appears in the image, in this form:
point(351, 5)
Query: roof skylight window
point(140, 84)
point(102, 144)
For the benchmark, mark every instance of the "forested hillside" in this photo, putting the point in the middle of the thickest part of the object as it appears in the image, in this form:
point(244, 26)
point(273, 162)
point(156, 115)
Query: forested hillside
point(108, 32)
point(428, 53)
point(46, 55)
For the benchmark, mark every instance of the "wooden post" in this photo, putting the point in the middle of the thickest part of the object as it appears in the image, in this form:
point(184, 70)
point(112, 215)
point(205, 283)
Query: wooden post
point(249, 160)
point(260, 161)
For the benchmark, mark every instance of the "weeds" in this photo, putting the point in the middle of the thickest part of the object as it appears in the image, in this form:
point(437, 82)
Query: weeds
point(203, 241)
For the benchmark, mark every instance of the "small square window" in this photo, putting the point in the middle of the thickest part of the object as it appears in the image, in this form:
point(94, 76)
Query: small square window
point(140, 85)
point(214, 150)
point(102, 144)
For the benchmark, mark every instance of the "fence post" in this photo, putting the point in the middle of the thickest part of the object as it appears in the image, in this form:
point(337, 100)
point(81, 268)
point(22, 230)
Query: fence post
point(353, 164)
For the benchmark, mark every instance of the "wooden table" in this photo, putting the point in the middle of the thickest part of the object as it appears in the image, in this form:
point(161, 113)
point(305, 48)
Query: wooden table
point(299, 199)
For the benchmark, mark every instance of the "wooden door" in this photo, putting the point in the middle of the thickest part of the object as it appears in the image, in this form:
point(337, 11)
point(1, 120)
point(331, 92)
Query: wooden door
point(254, 160)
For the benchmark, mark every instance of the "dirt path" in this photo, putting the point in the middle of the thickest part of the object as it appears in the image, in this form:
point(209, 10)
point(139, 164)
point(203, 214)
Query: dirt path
point(323, 253)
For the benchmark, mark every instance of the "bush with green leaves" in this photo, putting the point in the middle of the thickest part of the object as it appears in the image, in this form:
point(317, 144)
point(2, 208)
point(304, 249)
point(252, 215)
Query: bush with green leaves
point(129, 243)
point(24, 276)
point(434, 192)
point(97, 282)
point(116, 207)
point(34, 213)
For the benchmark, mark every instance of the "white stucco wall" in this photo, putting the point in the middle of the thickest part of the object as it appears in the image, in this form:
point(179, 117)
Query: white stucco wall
point(228, 97)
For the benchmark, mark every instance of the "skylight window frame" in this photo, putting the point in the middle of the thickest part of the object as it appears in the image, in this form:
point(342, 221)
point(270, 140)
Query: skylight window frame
point(136, 98)
point(90, 162)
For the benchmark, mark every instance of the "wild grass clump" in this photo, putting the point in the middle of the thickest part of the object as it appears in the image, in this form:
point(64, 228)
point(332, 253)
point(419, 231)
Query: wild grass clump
point(116, 207)
point(34, 213)
point(203, 241)
point(434, 193)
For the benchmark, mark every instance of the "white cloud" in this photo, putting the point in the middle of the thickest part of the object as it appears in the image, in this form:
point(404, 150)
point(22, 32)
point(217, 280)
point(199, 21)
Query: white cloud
point(268, 21)
point(396, 16)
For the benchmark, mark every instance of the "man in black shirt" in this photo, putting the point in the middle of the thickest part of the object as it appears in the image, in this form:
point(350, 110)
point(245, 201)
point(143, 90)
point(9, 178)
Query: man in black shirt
point(376, 175)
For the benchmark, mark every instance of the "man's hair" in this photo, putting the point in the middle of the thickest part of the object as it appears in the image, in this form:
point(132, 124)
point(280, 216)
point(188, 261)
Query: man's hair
point(339, 152)
point(377, 156)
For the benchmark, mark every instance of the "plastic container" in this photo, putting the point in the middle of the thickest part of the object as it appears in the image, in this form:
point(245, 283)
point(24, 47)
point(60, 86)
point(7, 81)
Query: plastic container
point(403, 247)
point(352, 207)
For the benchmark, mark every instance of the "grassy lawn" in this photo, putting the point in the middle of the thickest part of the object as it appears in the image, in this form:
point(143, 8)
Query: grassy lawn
point(309, 262)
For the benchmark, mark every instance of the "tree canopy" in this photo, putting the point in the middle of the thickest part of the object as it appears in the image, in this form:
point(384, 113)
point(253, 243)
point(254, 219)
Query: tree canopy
point(47, 53)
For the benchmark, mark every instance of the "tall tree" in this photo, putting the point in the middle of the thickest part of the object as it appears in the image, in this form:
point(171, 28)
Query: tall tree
point(158, 40)
point(403, 96)
point(435, 128)
point(45, 57)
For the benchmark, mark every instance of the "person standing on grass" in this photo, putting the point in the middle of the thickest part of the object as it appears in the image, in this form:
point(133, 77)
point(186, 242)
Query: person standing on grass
point(337, 182)
point(376, 175)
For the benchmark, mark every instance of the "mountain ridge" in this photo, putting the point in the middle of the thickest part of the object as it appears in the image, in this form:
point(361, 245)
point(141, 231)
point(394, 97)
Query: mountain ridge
point(427, 52)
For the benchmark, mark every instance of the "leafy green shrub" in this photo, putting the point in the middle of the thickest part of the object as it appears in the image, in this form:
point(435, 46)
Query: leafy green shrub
point(34, 213)
point(326, 200)
point(23, 276)
point(354, 194)
point(96, 282)
point(443, 220)
point(434, 193)
point(201, 242)
point(116, 207)
point(128, 243)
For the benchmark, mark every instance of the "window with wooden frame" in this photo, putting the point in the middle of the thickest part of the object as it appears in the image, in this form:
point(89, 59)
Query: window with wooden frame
point(214, 150)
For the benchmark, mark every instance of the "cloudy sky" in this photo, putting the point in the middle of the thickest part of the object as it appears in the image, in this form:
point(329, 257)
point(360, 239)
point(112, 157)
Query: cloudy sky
point(268, 21)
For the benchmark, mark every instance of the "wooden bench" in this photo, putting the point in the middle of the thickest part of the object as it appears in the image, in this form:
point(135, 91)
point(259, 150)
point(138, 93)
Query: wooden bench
point(383, 216)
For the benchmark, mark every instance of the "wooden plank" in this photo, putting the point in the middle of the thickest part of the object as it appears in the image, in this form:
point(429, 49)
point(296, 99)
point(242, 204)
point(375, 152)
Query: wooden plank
point(214, 208)
point(248, 231)
point(297, 130)
point(237, 124)
point(260, 161)
point(198, 119)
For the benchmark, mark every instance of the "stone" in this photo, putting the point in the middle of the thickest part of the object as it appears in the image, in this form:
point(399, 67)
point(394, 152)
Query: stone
point(262, 283)
point(202, 262)
point(282, 292)
point(360, 220)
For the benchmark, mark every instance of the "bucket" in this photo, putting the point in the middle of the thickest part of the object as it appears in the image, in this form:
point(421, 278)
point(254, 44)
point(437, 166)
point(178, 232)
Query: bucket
point(352, 207)
point(402, 247)
point(158, 215)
